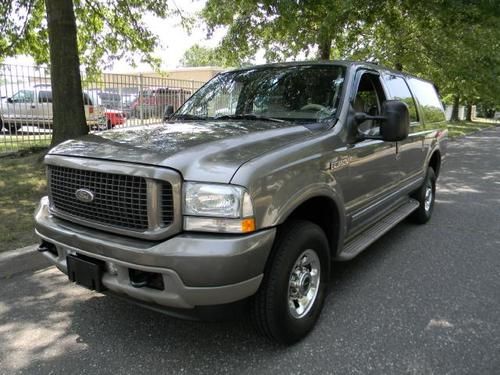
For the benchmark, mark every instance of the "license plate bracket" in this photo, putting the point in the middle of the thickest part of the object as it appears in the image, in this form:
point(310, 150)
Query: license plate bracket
point(85, 272)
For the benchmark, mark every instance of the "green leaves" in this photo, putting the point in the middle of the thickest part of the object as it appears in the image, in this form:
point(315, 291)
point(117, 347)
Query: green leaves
point(455, 43)
point(108, 30)
point(201, 56)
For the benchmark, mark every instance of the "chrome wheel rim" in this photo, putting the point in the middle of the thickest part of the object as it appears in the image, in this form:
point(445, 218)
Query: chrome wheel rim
point(428, 198)
point(303, 284)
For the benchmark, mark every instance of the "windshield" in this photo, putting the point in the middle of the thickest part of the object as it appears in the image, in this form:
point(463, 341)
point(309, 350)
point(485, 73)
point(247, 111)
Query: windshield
point(304, 93)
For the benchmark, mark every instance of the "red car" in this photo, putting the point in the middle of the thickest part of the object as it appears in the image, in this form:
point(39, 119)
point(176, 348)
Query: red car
point(114, 117)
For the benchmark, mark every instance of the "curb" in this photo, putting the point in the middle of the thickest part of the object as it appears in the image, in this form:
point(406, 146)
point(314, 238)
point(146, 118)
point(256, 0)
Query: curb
point(20, 261)
point(6, 255)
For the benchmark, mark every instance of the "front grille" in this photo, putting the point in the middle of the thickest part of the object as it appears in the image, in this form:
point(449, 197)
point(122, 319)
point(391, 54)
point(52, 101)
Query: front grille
point(119, 200)
point(167, 204)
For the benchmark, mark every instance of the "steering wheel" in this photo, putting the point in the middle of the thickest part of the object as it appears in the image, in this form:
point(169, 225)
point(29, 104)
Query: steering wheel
point(313, 107)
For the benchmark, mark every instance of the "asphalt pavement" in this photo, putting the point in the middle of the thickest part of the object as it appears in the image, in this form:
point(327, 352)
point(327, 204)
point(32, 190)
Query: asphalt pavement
point(421, 300)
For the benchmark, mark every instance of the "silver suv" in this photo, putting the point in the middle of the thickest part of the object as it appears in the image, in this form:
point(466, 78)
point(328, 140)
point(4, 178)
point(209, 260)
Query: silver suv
point(248, 193)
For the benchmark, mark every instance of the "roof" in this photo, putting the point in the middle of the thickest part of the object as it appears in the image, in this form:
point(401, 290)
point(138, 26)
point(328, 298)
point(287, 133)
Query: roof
point(346, 63)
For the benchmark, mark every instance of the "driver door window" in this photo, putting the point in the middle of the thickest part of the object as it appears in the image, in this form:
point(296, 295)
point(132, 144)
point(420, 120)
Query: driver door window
point(369, 99)
point(23, 96)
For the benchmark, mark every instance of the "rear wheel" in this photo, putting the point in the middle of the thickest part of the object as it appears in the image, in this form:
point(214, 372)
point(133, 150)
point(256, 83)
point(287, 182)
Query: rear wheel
point(425, 197)
point(290, 299)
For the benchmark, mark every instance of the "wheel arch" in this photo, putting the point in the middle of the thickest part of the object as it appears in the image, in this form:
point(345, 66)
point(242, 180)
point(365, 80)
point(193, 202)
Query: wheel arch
point(327, 213)
point(435, 161)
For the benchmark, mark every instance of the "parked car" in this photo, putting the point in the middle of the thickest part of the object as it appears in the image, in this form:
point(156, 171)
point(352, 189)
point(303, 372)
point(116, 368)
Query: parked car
point(32, 106)
point(248, 193)
point(152, 102)
point(114, 117)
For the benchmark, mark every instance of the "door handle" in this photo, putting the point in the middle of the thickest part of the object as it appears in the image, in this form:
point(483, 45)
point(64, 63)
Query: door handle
point(33, 106)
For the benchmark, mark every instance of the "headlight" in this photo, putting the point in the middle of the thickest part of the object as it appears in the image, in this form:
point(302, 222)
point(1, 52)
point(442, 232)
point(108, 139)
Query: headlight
point(217, 208)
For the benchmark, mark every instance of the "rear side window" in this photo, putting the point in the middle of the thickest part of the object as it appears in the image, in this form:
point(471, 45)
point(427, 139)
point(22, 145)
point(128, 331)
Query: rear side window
point(398, 89)
point(45, 97)
point(428, 99)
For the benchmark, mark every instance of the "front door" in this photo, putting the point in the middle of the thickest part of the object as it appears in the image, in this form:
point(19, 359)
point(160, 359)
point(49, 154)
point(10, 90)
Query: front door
point(372, 172)
point(19, 108)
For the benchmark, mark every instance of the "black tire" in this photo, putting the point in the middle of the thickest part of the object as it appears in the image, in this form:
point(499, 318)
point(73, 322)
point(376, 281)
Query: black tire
point(271, 312)
point(13, 128)
point(109, 125)
point(424, 212)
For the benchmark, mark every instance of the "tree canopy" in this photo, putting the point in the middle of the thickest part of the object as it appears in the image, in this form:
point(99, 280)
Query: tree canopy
point(107, 31)
point(198, 55)
point(455, 43)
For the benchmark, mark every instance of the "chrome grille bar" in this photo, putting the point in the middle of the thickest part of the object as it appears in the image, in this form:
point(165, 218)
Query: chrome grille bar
point(119, 201)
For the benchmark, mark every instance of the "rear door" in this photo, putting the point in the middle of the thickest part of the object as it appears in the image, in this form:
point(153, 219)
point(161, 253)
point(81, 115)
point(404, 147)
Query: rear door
point(44, 108)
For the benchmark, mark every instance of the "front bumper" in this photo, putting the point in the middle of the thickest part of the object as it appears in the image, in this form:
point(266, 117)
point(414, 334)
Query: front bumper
point(197, 269)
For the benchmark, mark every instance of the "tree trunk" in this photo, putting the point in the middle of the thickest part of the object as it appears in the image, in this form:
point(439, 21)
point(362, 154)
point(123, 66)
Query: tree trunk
point(454, 111)
point(468, 117)
point(324, 45)
point(67, 101)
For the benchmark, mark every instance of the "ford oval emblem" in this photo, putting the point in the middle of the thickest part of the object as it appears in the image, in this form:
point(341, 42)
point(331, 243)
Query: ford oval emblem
point(84, 195)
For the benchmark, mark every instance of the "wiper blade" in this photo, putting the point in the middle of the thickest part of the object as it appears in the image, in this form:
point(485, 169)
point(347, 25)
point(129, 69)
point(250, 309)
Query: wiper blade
point(187, 116)
point(248, 116)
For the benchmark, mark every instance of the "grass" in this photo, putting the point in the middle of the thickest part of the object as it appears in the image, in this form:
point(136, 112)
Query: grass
point(461, 128)
point(22, 184)
point(16, 143)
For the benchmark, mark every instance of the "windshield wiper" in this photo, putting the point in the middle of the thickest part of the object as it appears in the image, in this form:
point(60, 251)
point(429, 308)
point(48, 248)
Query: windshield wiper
point(187, 116)
point(248, 116)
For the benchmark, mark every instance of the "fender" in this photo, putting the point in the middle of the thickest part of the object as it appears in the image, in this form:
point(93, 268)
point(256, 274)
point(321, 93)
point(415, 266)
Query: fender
point(317, 190)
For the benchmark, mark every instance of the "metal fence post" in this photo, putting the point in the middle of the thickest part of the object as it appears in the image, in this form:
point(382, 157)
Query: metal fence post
point(141, 104)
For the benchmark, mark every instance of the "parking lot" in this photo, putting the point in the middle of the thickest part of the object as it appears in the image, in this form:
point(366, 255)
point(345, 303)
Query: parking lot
point(421, 300)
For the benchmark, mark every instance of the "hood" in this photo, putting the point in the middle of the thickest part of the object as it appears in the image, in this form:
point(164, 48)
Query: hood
point(200, 151)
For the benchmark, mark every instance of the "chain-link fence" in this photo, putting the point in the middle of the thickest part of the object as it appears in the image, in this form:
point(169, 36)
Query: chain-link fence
point(111, 101)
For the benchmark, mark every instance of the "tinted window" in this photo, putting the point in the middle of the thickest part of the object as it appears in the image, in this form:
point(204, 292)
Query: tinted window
point(398, 89)
point(428, 99)
point(45, 96)
point(369, 99)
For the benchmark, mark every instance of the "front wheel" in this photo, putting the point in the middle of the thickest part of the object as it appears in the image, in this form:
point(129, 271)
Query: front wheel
point(293, 290)
point(14, 128)
point(425, 197)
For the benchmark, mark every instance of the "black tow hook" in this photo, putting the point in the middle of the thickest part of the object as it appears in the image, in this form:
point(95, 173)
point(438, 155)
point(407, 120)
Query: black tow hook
point(47, 246)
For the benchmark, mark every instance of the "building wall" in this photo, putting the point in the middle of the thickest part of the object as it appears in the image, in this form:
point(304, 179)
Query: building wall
point(198, 74)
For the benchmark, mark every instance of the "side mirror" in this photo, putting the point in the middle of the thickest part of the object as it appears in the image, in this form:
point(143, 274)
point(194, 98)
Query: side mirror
point(396, 125)
point(10, 100)
point(395, 120)
point(169, 110)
